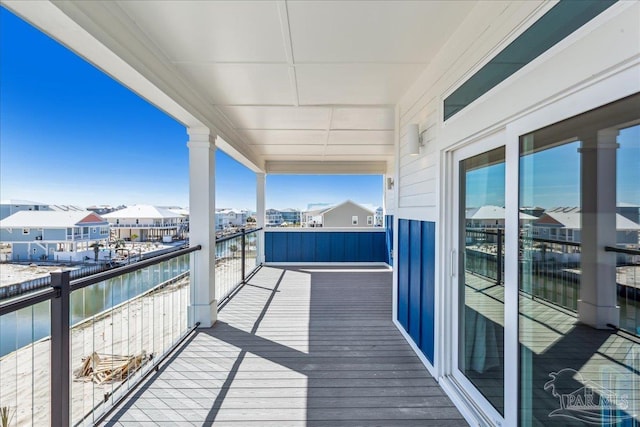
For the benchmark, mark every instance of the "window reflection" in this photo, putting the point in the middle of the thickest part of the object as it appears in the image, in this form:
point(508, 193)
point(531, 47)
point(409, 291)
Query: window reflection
point(481, 323)
point(579, 270)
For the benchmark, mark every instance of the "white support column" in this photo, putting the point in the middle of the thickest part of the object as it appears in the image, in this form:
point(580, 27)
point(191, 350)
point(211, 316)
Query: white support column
point(260, 213)
point(202, 227)
point(597, 306)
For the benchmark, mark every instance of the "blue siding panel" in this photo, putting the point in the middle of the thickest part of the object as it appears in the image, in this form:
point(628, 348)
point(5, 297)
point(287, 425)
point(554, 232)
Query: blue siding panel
point(351, 247)
point(294, 247)
point(308, 246)
point(403, 273)
point(279, 247)
point(427, 341)
point(337, 246)
point(325, 246)
point(365, 247)
point(415, 261)
point(378, 246)
point(388, 223)
point(416, 282)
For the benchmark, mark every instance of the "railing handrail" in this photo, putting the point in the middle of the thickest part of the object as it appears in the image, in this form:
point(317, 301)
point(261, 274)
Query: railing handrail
point(238, 234)
point(535, 239)
point(26, 300)
point(37, 296)
point(622, 250)
point(100, 277)
point(349, 229)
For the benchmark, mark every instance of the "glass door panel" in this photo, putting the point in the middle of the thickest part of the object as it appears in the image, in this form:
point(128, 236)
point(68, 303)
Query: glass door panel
point(579, 265)
point(481, 284)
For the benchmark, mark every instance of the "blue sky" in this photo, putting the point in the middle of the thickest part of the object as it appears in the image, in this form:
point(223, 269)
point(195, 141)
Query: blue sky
point(551, 178)
point(69, 134)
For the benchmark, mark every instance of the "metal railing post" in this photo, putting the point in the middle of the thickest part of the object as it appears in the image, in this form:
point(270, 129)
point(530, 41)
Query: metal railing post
point(499, 258)
point(244, 253)
point(60, 364)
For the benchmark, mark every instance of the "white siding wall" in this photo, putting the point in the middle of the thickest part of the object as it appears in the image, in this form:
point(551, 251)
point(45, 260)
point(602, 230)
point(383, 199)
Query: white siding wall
point(597, 64)
point(600, 50)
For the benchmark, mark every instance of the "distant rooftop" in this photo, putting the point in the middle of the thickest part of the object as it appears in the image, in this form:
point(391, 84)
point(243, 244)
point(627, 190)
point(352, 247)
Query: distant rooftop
point(570, 218)
point(491, 212)
point(142, 211)
point(21, 202)
point(50, 219)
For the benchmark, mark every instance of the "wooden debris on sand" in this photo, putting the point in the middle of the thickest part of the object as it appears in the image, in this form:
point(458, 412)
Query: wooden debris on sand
point(109, 367)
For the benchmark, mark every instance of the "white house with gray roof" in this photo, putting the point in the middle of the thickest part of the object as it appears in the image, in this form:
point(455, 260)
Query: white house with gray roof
point(345, 214)
point(10, 206)
point(146, 222)
point(564, 224)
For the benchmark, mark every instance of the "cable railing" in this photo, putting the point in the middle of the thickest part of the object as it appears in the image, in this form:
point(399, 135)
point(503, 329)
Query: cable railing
point(69, 352)
point(15, 289)
point(550, 271)
point(235, 259)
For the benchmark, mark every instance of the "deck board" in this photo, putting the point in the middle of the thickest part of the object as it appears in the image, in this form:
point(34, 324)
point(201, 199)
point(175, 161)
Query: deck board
point(294, 347)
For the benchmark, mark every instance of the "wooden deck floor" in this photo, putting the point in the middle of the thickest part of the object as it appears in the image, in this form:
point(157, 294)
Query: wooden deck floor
point(296, 347)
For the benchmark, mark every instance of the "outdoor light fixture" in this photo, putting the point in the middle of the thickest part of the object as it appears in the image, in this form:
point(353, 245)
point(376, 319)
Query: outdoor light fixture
point(389, 183)
point(414, 139)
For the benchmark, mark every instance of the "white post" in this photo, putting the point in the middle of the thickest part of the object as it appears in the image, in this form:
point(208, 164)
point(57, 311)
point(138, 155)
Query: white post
point(597, 306)
point(202, 230)
point(260, 213)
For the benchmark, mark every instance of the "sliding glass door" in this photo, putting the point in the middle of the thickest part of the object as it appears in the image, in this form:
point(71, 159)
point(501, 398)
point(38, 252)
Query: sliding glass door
point(480, 285)
point(579, 270)
point(546, 272)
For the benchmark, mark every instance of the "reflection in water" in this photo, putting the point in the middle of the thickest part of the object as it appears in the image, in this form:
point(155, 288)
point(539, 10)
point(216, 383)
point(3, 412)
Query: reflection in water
point(30, 324)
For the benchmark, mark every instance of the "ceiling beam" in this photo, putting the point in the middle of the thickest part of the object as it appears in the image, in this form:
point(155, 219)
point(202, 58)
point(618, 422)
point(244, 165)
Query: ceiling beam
point(326, 167)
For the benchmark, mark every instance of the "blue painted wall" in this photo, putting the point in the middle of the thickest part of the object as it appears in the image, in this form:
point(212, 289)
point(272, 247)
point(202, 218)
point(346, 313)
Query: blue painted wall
point(16, 235)
point(20, 251)
point(388, 225)
point(55, 234)
point(416, 282)
point(325, 246)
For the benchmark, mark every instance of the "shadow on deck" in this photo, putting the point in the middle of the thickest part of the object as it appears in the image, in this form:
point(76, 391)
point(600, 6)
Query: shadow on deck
point(304, 346)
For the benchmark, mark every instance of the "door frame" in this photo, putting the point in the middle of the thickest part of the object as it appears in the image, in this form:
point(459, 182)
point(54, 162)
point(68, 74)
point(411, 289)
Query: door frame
point(462, 386)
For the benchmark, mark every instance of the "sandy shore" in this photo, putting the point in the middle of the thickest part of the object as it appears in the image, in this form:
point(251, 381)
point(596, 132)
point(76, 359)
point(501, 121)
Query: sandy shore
point(17, 273)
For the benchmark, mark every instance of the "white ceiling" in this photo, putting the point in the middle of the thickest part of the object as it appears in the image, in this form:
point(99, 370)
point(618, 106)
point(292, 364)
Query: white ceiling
point(284, 80)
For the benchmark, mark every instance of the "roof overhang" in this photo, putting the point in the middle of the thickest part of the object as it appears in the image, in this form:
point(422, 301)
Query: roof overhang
point(287, 86)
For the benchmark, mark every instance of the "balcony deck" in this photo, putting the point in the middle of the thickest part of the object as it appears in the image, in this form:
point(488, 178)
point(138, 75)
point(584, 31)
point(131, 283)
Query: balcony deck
point(304, 346)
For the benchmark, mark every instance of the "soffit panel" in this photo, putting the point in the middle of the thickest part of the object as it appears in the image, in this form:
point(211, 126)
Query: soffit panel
point(357, 150)
point(363, 118)
point(357, 84)
point(289, 150)
point(372, 31)
point(310, 78)
point(241, 83)
point(359, 137)
point(286, 137)
point(258, 117)
point(206, 31)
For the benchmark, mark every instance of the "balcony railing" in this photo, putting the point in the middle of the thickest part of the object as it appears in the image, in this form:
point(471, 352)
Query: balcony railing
point(235, 258)
point(78, 236)
point(146, 225)
point(16, 289)
point(550, 271)
point(108, 330)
